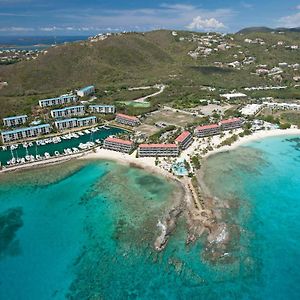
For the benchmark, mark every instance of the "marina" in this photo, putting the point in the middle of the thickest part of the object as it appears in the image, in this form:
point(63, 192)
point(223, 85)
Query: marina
point(66, 144)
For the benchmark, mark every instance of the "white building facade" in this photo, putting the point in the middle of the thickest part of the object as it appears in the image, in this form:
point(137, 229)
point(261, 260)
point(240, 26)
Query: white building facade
point(15, 121)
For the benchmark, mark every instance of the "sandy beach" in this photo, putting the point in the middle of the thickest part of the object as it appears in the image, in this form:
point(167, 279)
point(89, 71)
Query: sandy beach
point(255, 136)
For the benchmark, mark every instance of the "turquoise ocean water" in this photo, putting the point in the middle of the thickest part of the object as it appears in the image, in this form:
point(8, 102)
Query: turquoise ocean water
point(85, 230)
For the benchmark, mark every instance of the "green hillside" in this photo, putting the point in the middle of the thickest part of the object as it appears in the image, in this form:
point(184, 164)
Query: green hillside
point(138, 59)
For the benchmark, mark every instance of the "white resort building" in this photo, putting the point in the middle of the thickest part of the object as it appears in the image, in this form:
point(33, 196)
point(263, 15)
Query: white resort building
point(282, 106)
point(63, 99)
point(207, 130)
point(230, 124)
point(119, 145)
point(68, 112)
point(24, 133)
point(15, 121)
point(88, 121)
point(88, 90)
point(127, 120)
point(155, 150)
point(184, 140)
point(66, 124)
point(74, 122)
point(102, 109)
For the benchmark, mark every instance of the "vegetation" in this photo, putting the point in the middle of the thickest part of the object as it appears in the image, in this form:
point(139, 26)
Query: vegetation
point(196, 162)
point(155, 137)
point(229, 140)
point(142, 59)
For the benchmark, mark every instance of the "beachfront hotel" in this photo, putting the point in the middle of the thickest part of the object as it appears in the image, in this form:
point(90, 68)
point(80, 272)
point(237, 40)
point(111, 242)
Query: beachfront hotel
point(63, 99)
point(15, 121)
point(207, 130)
point(24, 133)
point(154, 150)
point(230, 124)
point(102, 109)
point(184, 140)
point(127, 120)
point(68, 112)
point(88, 90)
point(74, 122)
point(119, 145)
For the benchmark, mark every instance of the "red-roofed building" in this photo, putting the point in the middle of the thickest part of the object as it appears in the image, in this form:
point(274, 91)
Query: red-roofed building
point(184, 140)
point(119, 145)
point(158, 150)
point(231, 124)
point(207, 130)
point(127, 120)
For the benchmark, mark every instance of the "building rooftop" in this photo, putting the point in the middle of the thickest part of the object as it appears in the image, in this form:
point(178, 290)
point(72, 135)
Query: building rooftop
point(182, 136)
point(25, 129)
point(87, 88)
point(87, 118)
point(12, 118)
point(230, 120)
point(101, 105)
point(67, 108)
point(127, 117)
point(211, 126)
point(119, 141)
point(66, 120)
point(65, 96)
point(158, 146)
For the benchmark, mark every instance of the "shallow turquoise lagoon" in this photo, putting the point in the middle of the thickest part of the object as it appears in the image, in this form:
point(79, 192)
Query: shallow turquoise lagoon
point(85, 230)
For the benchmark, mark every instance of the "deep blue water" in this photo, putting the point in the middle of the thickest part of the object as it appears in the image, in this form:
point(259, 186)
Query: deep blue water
point(85, 230)
point(35, 42)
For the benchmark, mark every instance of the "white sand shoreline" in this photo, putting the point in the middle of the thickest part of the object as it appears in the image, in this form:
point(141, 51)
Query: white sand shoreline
point(147, 163)
point(259, 135)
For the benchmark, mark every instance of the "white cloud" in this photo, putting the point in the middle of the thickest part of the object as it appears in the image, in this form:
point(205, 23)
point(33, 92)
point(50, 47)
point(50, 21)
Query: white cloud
point(246, 5)
point(199, 23)
point(176, 16)
point(16, 29)
point(290, 21)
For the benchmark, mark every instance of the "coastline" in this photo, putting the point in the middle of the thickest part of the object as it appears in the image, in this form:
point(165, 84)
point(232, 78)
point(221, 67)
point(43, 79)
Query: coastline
point(254, 137)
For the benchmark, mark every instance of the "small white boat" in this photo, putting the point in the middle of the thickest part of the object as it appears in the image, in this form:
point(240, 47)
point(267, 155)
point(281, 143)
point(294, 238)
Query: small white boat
point(57, 153)
point(47, 155)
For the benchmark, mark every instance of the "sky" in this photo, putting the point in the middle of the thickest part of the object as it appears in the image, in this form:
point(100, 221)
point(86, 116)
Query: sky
point(87, 17)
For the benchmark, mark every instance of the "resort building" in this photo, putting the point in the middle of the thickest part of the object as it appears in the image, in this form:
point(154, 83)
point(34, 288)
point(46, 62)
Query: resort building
point(68, 112)
point(88, 121)
point(66, 124)
point(119, 145)
point(282, 106)
point(184, 140)
point(102, 109)
point(155, 150)
point(24, 133)
point(88, 90)
point(72, 123)
point(127, 120)
point(15, 121)
point(64, 99)
point(230, 124)
point(207, 130)
point(251, 109)
point(233, 96)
